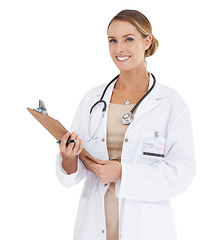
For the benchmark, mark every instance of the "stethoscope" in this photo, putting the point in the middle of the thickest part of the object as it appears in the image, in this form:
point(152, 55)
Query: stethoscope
point(127, 118)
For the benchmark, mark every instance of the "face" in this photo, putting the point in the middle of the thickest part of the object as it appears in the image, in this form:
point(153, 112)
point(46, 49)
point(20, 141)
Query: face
point(126, 45)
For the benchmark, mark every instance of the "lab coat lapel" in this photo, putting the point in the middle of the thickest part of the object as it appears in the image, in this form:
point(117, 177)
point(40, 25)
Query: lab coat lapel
point(146, 106)
point(150, 102)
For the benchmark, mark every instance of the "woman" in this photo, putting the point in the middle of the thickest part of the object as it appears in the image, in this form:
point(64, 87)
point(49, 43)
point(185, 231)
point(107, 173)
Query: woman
point(142, 159)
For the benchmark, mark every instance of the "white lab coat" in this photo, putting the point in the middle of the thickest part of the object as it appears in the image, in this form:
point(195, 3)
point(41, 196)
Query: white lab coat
point(147, 182)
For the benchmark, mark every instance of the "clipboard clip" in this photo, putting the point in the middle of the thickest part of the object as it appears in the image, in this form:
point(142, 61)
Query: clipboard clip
point(41, 108)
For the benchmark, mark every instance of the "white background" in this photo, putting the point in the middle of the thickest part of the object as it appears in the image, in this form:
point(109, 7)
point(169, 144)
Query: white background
point(56, 51)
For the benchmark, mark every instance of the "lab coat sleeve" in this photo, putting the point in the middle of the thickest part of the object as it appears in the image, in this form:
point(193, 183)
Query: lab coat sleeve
point(164, 178)
point(68, 180)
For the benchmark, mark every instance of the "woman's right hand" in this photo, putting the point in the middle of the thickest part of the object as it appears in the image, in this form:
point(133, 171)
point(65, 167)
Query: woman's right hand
point(73, 149)
point(70, 153)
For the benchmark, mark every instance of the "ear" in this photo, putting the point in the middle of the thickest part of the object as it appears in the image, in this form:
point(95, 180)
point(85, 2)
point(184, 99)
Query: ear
point(148, 41)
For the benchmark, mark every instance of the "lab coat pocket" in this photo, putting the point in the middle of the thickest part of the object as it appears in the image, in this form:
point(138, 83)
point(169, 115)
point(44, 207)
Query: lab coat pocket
point(81, 219)
point(157, 222)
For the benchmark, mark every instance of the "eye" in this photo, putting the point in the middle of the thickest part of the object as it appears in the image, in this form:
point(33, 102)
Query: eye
point(112, 41)
point(129, 39)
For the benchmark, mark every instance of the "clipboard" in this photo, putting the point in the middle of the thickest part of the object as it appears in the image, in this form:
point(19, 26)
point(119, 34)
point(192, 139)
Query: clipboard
point(56, 129)
point(52, 125)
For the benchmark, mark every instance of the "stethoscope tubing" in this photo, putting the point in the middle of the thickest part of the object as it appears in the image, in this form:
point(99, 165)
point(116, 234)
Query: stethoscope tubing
point(101, 99)
point(107, 86)
point(141, 99)
point(105, 106)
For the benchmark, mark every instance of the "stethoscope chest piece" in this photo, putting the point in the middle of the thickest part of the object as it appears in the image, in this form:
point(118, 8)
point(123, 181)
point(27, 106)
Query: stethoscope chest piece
point(127, 118)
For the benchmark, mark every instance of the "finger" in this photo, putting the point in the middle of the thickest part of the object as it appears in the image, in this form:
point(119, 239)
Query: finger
point(71, 145)
point(76, 146)
point(87, 160)
point(64, 140)
point(91, 164)
point(101, 162)
point(96, 168)
point(80, 146)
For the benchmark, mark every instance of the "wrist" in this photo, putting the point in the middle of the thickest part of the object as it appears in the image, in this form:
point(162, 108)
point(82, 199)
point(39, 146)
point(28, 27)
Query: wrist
point(69, 164)
point(69, 158)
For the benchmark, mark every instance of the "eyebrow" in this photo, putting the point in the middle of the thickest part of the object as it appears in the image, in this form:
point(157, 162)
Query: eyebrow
point(123, 36)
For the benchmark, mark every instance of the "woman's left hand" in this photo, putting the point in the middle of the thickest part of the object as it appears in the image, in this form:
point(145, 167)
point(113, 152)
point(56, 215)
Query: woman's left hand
point(107, 171)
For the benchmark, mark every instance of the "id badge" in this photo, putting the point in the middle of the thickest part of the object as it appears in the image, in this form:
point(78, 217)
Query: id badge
point(154, 147)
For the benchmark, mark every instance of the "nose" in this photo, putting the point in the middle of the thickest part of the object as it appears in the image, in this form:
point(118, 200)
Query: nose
point(119, 48)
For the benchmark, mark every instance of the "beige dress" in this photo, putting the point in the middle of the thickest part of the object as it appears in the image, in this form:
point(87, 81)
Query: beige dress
point(115, 134)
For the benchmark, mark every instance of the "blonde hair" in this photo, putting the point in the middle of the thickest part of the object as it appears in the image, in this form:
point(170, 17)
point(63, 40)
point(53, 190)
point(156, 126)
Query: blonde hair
point(142, 24)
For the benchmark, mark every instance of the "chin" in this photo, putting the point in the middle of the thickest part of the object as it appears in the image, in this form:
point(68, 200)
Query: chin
point(126, 69)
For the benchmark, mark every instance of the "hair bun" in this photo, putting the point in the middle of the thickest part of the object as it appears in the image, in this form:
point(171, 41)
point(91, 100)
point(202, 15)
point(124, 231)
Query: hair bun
point(153, 47)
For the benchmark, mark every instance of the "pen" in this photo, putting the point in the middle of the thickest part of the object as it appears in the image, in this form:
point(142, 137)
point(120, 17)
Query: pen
point(69, 141)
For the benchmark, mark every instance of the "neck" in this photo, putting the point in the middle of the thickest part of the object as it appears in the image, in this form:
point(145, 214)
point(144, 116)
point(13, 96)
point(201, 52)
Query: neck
point(133, 80)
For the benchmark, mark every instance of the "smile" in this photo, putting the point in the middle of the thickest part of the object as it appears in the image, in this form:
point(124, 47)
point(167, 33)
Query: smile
point(122, 58)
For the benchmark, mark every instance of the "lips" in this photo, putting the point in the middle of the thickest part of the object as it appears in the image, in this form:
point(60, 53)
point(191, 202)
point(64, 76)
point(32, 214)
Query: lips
point(122, 58)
